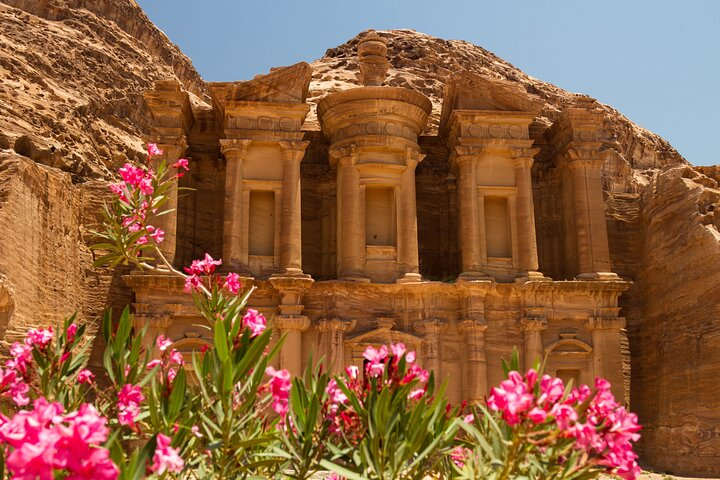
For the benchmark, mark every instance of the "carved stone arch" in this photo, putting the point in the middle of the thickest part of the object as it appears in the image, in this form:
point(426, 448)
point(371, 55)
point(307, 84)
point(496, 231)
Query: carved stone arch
point(7, 304)
point(570, 358)
point(187, 346)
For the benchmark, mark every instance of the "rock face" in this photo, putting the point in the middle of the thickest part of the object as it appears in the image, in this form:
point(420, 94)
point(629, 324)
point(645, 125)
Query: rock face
point(72, 76)
point(74, 72)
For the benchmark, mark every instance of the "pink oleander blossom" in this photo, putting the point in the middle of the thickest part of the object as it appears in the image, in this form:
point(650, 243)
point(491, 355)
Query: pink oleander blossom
point(279, 386)
point(255, 321)
point(166, 458)
point(193, 284)
point(163, 343)
point(158, 235)
point(129, 399)
point(206, 266)
point(375, 357)
point(71, 332)
point(39, 337)
point(43, 441)
point(131, 174)
point(85, 376)
point(182, 163)
point(232, 283)
point(153, 150)
point(146, 186)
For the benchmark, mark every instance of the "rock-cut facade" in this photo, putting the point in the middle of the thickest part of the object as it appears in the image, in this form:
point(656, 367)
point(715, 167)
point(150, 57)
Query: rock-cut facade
point(358, 230)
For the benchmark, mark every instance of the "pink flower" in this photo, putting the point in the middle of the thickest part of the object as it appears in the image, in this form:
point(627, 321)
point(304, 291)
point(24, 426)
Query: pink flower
point(85, 376)
point(158, 235)
point(163, 343)
point(279, 386)
point(193, 284)
point(352, 371)
point(166, 458)
point(131, 174)
point(232, 283)
point(512, 398)
point(38, 337)
point(255, 321)
point(203, 267)
point(416, 394)
point(119, 190)
point(129, 399)
point(181, 163)
point(145, 186)
point(142, 240)
point(537, 415)
point(21, 356)
point(469, 418)
point(375, 357)
point(196, 431)
point(459, 456)
point(153, 363)
point(398, 350)
point(176, 357)
point(71, 332)
point(153, 150)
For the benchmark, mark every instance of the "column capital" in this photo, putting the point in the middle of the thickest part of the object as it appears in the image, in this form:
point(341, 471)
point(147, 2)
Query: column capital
point(413, 157)
point(234, 147)
point(155, 320)
point(601, 323)
point(533, 324)
point(347, 155)
point(433, 326)
point(336, 325)
point(472, 327)
point(293, 151)
point(581, 156)
point(299, 322)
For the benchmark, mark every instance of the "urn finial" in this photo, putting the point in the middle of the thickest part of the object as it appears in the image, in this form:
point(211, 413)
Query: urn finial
point(372, 56)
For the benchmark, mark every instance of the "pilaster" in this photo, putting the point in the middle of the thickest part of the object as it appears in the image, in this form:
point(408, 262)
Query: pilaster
point(234, 255)
point(532, 328)
point(431, 330)
point(333, 332)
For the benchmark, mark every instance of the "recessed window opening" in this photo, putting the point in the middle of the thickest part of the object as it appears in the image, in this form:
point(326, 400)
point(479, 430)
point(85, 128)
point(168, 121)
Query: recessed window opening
point(380, 216)
point(262, 223)
point(497, 227)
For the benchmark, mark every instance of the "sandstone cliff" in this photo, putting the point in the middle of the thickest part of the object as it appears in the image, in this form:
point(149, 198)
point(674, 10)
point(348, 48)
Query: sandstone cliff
point(72, 73)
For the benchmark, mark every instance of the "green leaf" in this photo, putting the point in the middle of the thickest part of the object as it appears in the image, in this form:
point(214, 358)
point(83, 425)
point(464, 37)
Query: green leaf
point(221, 341)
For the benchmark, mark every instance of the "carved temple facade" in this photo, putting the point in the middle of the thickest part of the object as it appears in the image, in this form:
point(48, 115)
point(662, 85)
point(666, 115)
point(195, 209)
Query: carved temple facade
point(359, 230)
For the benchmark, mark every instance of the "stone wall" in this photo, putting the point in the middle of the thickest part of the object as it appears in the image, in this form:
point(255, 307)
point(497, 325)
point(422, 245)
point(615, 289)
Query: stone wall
point(674, 332)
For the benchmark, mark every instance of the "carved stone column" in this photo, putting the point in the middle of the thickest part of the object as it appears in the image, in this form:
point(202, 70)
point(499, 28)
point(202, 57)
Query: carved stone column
point(532, 335)
point(472, 243)
point(172, 152)
point(234, 151)
point(351, 225)
point(475, 380)
point(431, 330)
point(607, 354)
point(409, 257)
point(290, 224)
point(593, 249)
point(526, 237)
point(334, 331)
point(290, 321)
point(291, 354)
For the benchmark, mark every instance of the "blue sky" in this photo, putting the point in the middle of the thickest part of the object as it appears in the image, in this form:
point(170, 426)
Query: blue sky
point(658, 62)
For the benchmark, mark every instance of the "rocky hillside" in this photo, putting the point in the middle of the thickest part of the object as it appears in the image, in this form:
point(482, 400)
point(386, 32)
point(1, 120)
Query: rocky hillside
point(72, 76)
point(422, 62)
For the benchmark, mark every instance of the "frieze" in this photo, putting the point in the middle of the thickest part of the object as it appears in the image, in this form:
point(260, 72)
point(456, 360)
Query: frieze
point(267, 123)
point(394, 129)
point(495, 130)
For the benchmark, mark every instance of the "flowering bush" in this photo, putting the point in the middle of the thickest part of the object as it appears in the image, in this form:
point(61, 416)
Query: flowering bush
point(226, 412)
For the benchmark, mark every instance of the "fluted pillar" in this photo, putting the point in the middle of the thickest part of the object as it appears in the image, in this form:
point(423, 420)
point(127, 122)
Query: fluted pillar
point(351, 225)
point(290, 222)
point(334, 329)
point(431, 330)
point(409, 256)
point(526, 237)
point(472, 243)
point(532, 338)
point(172, 152)
point(291, 354)
point(589, 211)
point(475, 379)
point(235, 152)
point(607, 353)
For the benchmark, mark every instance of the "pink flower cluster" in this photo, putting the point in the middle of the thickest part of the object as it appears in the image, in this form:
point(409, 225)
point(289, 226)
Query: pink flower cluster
point(384, 368)
point(142, 180)
point(129, 399)
point(255, 321)
point(166, 458)
point(604, 430)
point(197, 268)
point(14, 377)
point(169, 362)
point(279, 387)
point(43, 441)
